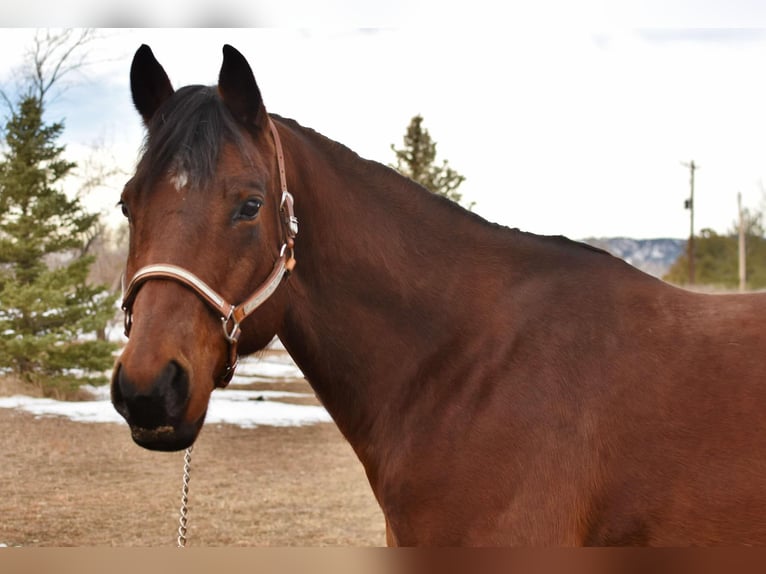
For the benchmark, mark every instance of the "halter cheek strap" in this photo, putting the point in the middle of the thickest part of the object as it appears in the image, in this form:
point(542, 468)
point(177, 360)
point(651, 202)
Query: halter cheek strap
point(231, 315)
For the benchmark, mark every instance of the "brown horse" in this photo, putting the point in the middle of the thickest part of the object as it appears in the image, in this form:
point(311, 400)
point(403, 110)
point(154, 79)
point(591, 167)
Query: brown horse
point(500, 388)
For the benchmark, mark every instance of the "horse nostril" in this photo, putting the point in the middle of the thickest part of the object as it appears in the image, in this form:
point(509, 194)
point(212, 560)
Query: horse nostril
point(174, 384)
point(160, 403)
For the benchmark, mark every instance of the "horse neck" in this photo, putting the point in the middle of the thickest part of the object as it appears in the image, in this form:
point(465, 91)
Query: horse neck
point(374, 298)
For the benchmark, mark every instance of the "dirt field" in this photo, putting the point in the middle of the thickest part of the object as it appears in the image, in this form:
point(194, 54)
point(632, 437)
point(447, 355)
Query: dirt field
point(74, 484)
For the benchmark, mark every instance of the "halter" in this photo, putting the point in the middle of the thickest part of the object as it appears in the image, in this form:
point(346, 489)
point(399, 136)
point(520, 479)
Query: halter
point(231, 315)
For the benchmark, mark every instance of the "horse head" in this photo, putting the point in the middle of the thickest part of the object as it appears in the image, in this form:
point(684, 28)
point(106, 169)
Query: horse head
point(211, 238)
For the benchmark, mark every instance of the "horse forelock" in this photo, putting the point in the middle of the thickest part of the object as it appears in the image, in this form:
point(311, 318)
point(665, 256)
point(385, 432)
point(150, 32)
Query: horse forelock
point(186, 137)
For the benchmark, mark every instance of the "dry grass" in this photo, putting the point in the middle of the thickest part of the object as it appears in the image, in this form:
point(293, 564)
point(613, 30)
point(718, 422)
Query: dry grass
point(75, 484)
point(14, 385)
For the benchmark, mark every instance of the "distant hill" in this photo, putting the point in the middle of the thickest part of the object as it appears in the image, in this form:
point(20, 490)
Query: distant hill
point(653, 256)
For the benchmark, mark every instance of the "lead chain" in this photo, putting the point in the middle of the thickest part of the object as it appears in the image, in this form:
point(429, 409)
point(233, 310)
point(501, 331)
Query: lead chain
point(184, 499)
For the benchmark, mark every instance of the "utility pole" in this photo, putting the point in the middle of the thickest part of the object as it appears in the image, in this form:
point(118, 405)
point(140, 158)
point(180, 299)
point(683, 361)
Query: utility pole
point(742, 262)
point(689, 204)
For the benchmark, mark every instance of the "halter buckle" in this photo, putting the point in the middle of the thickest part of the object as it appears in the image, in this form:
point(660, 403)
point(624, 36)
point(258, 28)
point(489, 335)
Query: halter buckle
point(289, 214)
point(293, 225)
point(231, 333)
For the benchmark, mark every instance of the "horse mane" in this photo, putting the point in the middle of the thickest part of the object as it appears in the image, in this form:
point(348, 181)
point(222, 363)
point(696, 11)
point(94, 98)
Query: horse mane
point(388, 177)
point(186, 136)
point(385, 176)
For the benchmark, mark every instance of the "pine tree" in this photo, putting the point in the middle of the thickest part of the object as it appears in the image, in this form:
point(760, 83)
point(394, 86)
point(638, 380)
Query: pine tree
point(47, 308)
point(417, 158)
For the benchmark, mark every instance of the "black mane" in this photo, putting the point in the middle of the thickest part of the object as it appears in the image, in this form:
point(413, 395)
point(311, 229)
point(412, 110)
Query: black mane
point(186, 136)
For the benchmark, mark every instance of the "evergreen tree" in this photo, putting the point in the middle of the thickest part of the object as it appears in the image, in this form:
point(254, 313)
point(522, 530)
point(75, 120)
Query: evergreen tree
point(417, 158)
point(47, 308)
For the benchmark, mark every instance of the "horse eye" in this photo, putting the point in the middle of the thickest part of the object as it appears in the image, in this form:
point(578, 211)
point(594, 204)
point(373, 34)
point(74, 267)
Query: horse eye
point(249, 209)
point(124, 209)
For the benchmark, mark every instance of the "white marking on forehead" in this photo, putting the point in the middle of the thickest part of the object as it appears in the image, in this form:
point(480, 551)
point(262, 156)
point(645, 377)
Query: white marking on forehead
point(179, 180)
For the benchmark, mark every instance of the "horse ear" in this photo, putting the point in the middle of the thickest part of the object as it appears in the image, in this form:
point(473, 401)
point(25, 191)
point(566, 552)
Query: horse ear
point(149, 84)
point(238, 89)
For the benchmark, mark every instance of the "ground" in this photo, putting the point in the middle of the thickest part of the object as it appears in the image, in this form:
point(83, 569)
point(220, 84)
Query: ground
point(64, 483)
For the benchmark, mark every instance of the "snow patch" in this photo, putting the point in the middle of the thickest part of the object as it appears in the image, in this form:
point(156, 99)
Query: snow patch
point(246, 409)
point(100, 411)
point(252, 370)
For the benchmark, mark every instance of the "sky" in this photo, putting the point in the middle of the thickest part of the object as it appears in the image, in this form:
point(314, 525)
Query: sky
point(580, 130)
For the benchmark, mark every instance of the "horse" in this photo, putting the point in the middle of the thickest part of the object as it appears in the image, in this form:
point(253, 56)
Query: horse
point(500, 388)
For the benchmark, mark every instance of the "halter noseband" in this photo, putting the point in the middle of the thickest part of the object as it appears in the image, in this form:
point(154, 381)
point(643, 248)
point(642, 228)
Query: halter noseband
point(231, 315)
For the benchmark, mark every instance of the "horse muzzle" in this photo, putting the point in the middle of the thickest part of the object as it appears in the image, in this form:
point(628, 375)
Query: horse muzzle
point(156, 412)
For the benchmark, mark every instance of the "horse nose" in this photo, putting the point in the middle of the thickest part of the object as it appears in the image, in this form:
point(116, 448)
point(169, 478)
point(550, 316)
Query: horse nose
point(152, 406)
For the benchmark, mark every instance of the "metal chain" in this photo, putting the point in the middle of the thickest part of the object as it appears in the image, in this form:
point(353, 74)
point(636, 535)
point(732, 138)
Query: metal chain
point(185, 499)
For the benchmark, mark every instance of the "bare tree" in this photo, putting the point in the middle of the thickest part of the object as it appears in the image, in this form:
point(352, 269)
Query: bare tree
point(110, 249)
point(54, 55)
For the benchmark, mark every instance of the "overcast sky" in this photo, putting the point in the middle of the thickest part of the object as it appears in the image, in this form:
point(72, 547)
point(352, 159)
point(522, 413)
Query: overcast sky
point(558, 130)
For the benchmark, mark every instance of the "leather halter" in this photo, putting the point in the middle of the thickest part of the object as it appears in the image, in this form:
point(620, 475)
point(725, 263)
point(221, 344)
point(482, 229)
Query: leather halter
point(231, 315)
